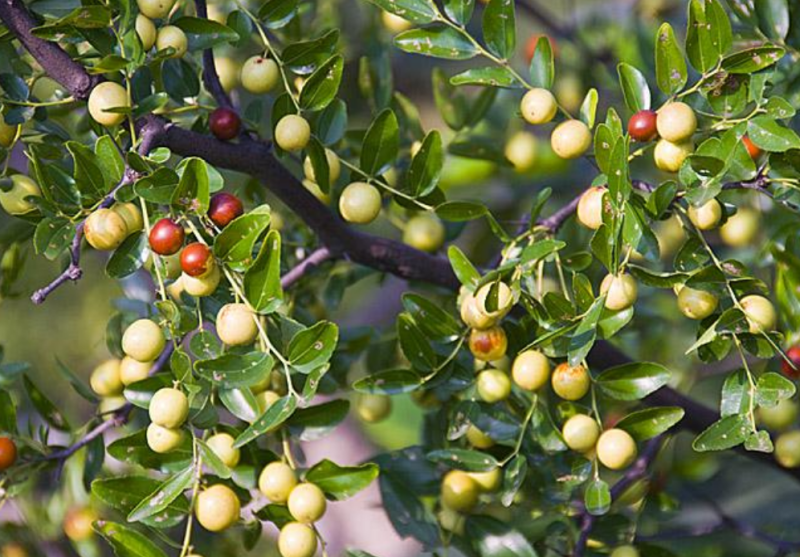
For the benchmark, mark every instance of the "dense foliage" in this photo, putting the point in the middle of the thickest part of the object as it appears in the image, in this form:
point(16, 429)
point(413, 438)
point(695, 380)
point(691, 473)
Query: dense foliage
point(234, 154)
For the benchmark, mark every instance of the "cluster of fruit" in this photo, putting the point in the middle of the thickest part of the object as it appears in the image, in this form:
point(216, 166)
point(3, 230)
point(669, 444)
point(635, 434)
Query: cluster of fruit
point(106, 229)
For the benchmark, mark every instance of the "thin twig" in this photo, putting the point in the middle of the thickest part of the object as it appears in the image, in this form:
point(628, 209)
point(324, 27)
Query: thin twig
point(315, 259)
point(210, 77)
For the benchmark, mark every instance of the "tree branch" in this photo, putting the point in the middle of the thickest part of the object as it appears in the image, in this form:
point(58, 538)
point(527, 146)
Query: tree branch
point(210, 76)
point(316, 258)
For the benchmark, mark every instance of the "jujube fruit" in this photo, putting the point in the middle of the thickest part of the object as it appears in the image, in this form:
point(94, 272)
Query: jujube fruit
point(197, 259)
point(478, 439)
point(488, 344)
point(13, 201)
point(143, 340)
point(334, 167)
point(752, 149)
point(276, 482)
point(131, 214)
point(132, 370)
point(360, 203)
point(106, 379)
point(169, 408)
point(472, 315)
point(521, 150)
point(741, 228)
point(669, 156)
point(105, 230)
point(625, 551)
point(570, 382)
point(707, 215)
point(590, 207)
point(306, 503)
point(297, 540)
point(259, 74)
point(173, 37)
point(793, 353)
point(236, 324)
point(146, 30)
point(580, 433)
point(217, 508)
point(459, 491)
point(787, 449)
point(78, 523)
point(676, 122)
point(222, 445)
point(166, 237)
point(760, 313)
point(223, 208)
point(228, 72)
point(292, 133)
point(395, 23)
point(696, 304)
point(531, 370)
point(780, 416)
point(424, 232)
point(109, 405)
point(620, 290)
point(163, 440)
point(503, 301)
point(538, 106)
point(493, 385)
point(105, 96)
point(202, 286)
point(224, 123)
point(616, 449)
point(571, 139)
point(642, 126)
point(373, 408)
point(8, 453)
point(8, 132)
point(488, 481)
point(155, 9)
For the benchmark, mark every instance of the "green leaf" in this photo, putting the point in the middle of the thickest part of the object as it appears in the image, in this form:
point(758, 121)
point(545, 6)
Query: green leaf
point(466, 272)
point(262, 281)
point(303, 57)
point(415, 11)
point(499, 27)
point(701, 49)
point(634, 87)
point(589, 107)
point(650, 422)
point(241, 403)
point(270, 420)
point(134, 449)
point(431, 318)
point(464, 459)
point(277, 13)
point(129, 257)
point(726, 433)
point(426, 166)
point(236, 242)
point(494, 538)
point(736, 394)
point(633, 381)
point(582, 341)
point(752, 60)
point(231, 371)
point(461, 211)
point(88, 176)
point(773, 18)
point(542, 68)
point(415, 344)
point(389, 382)
point(109, 160)
point(597, 497)
point(491, 76)
point(52, 237)
point(719, 26)
point(341, 482)
point(541, 249)
point(459, 11)
point(44, 407)
point(771, 388)
point(212, 461)
point(671, 74)
point(321, 88)
point(123, 493)
point(159, 187)
point(312, 348)
point(381, 144)
point(192, 193)
point(205, 33)
point(314, 422)
point(770, 136)
point(127, 542)
point(438, 41)
point(163, 495)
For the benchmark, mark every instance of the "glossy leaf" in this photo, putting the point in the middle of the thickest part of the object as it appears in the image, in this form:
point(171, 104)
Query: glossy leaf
point(671, 74)
point(633, 381)
point(233, 370)
point(341, 482)
point(499, 27)
point(650, 422)
point(438, 41)
point(262, 281)
point(635, 89)
point(313, 347)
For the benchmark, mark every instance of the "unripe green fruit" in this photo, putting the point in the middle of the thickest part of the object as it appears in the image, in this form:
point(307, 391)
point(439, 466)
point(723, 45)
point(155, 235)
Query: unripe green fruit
point(571, 139)
point(488, 481)
point(504, 301)
point(292, 133)
point(131, 214)
point(669, 156)
point(424, 232)
point(493, 385)
point(538, 106)
point(110, 404)
point(780, 416)
point(360, 203)
point(459, 491)
point(570, 382)
point(217, 508)
point(169, 408)
point(222, 445)
point(676, 122)
point(521, 151)
point(478, 439)
point(143, 340)
point(488, 344)
point(202, 286)
point(625, 551)
point(131, 370)
point(276, 482)
point(260, 75)
point(105, 96)
point(105, 379)
point(317, 192)
point(334, 167)
point(741, 228)
point(236, 325)
point(162, 439)
point(13, 201)
point(146, 30)
point(616, 449)
point(171, 266)
point(171, 36)
point(8, 132)
point(395, 23)
point(787, 449)
point(760, 313)
point(590, 207)
point(451, 521)
point(307, 503)
point(266, 399)
point(472, 315)
point(228, 71)
point(707, 215)
point(621, 291)
point(580, 433)
point(155, 9)
point(531, 370)
point(297, 540)
point(373, 408)
point(696, 304)
point(105, 230)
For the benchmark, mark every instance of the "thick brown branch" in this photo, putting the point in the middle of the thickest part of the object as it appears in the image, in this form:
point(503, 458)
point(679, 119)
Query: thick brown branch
point(317, 258)
point(210, 75)
point(57, 63)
